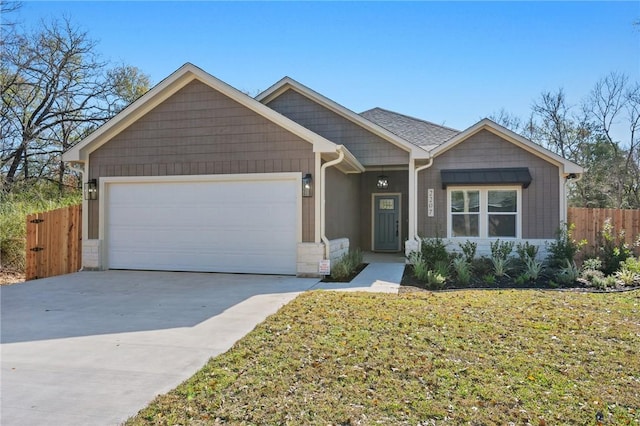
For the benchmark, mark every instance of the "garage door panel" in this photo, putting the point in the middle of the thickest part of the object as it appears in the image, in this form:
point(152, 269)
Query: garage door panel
point(216, 226)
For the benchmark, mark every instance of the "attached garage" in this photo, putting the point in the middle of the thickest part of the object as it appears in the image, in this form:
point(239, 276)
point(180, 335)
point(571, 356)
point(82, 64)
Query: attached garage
point(215, 223)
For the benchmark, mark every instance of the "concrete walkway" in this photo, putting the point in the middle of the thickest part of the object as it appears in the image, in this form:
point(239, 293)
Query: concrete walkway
point(376, 277)
point(93, 348)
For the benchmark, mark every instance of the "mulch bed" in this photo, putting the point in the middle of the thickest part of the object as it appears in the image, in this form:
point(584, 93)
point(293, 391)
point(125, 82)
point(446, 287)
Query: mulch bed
point(410, 284)
point(331, 279)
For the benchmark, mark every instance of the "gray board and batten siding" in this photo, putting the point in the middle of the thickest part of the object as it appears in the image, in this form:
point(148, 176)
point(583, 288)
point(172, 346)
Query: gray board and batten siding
point(368, 148)
point(343, 206)
point(540, 217)
point(200, 131)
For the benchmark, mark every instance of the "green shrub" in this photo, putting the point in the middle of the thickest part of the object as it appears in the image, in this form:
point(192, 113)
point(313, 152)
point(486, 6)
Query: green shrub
point(434, 280)
point(631, 264)
point(500, 266)
point(414, 257)
point(629, 273)
point(526, 251)
point(462, 269)
point(500, 260)
point(568, 274)
point(564, 248)
point(592, 264)
point(590, 275)
point(532, 268)
point(13, 235)
point(481, 266)
point(613, 248)
point(603, 283)
point(489, 279)
point(434, 250)
point(627, 277)
point(441, 267)
point(356, 257)
point(521, 279)
point(347, 265)
point(421, 271)
point(420, 267)
point(434, 277)
point(501, 250)
point(468, 250)
point(340, 270)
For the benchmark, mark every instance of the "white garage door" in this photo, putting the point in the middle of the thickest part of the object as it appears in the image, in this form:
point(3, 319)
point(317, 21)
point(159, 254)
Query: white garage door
point(209, 226)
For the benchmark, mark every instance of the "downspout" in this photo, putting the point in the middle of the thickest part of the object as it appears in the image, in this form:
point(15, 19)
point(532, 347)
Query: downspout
point(416, 237)
point(80, 168)
point(571, 177)
point(338, 160)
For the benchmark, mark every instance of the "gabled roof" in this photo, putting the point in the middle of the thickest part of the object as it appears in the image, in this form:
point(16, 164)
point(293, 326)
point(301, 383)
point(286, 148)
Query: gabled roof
point(566, 167)
point(419, 132)
point(172, 84)
point(287, 83)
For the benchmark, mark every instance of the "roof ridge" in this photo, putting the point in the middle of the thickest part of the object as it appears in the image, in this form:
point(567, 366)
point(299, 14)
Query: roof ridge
point(411, 118)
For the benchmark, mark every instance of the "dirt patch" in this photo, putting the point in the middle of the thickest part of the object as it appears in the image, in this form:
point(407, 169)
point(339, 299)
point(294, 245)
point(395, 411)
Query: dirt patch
point(8, 277)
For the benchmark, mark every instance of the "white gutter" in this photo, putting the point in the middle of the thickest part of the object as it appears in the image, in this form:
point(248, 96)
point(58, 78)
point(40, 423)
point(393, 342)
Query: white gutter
point(82, 168)
point(565, 178)
point(323, 212)
point(416, 237)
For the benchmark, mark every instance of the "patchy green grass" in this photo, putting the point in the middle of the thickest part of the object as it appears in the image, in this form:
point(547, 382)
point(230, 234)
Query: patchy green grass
point(471, 357)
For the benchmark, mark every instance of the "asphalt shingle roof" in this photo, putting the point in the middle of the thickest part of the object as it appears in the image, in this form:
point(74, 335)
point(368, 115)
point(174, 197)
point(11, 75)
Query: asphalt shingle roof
point(422, 133)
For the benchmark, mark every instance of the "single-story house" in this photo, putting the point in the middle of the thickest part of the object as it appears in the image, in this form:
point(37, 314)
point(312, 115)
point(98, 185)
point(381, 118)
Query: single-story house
point(198, 176)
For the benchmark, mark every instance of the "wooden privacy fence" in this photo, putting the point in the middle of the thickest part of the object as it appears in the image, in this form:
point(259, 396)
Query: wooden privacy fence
point(589, 223)
point(54, 242)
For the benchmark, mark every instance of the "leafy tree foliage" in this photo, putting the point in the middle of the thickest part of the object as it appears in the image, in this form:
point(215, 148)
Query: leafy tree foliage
point(55, 90)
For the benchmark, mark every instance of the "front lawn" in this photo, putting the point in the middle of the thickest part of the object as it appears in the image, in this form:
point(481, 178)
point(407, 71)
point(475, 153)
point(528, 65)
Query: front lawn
point(471, 357)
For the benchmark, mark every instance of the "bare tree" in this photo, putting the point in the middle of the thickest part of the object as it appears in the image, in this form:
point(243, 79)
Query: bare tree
point(54, 90)
point(557, 126)
point(614, 103)
point(514, 123)
point(6, 9)
point(590, 135)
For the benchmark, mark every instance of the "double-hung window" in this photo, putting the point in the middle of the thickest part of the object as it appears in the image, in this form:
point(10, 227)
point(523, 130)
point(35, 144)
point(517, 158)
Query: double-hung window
point(484, 212)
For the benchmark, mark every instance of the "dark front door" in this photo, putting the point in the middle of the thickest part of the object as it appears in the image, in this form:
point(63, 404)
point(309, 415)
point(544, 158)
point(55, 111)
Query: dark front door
point(386, 222)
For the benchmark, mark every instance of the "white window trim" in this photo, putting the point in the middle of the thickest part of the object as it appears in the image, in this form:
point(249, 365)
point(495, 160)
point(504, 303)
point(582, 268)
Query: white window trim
point(484, 213)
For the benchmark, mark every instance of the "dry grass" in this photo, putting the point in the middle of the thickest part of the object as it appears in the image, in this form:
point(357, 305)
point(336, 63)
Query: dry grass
point(471, 357)
point(8, 277)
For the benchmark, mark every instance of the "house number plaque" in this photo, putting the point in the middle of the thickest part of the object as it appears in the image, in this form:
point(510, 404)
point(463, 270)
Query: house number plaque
point(430, 202)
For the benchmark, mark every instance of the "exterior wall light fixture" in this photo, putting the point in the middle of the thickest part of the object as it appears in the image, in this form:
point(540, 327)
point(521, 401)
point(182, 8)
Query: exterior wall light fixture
point(91, 190)
point(383, 182)
point(307, 185)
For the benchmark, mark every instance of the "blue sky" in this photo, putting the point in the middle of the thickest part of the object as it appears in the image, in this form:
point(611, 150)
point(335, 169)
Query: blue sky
point(452, 63)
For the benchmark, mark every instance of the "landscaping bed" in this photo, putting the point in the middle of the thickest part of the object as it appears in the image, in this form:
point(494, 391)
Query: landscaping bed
point(437, 266)
point(411, 283)
point(346, 268)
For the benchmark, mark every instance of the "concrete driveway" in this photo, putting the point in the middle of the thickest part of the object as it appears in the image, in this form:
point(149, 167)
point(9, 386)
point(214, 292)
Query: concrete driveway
point(93, 348)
